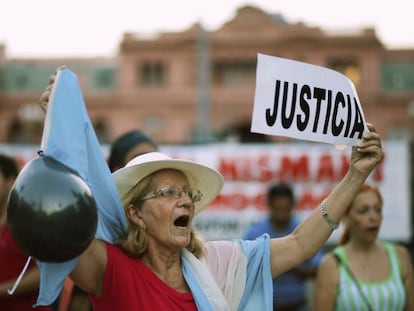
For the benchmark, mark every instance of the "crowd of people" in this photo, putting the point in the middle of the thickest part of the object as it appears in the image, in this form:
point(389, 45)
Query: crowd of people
point(161, 262)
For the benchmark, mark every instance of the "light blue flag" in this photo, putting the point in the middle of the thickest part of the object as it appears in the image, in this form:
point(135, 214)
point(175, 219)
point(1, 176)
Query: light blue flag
point(69, 138)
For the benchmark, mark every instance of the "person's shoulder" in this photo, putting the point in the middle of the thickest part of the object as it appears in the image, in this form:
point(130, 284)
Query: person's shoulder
point(328, 268)
point(402, 252)
point(399, 249)
point(329, 260)
point(112, 250)
point(405, 259)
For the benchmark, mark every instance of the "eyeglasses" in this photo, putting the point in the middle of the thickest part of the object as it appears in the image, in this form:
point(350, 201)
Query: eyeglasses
point(174, 192)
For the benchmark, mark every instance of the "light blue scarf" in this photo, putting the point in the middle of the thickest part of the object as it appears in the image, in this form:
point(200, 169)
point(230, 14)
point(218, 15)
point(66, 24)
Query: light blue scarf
point(69, 137)
point(256, 290)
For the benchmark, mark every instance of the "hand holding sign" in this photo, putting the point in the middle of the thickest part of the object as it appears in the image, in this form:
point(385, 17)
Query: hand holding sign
point(307, 102)
point(366, 154)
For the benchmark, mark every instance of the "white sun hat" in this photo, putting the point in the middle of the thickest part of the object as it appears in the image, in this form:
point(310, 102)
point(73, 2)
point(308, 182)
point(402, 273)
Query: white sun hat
point(208, 180)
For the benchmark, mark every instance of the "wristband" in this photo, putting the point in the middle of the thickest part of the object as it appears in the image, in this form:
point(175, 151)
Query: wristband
point(328, 219)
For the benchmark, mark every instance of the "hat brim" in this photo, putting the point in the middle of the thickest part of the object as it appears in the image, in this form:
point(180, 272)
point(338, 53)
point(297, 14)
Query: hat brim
point(206, 179)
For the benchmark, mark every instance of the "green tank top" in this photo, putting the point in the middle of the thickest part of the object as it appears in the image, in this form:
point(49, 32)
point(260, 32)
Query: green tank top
point(385, 295)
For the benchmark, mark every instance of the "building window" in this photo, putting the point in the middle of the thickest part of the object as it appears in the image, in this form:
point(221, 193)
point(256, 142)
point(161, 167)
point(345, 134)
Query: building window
point(348, 67)
point(105, 79)
point(22, 81)
point(2, 80)
point(397, 77)
point(234, 73)
point(152, 74)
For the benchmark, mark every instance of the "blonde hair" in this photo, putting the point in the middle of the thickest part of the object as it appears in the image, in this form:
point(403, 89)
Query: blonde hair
point(346, 235)
point(134, 241)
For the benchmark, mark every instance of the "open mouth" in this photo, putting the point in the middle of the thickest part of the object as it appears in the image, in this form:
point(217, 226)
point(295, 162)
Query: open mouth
point(182, 221)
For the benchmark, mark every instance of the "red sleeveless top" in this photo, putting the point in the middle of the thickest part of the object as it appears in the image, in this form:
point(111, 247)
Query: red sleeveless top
point(130, 285)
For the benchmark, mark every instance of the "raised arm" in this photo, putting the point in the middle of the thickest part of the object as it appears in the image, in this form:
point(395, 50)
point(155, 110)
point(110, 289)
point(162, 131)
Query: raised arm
point(311, 235)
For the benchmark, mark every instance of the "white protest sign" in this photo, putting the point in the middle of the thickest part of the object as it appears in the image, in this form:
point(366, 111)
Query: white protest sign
point(307, 102)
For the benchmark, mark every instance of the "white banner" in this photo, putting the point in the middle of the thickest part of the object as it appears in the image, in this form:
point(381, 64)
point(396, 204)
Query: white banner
point(313, 169)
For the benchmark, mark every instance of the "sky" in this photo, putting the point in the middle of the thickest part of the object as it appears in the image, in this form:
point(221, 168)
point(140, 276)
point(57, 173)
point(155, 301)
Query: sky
point(94, 28)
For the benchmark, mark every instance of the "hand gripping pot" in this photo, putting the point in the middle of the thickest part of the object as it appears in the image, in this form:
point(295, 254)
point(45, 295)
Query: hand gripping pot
point(51, 211)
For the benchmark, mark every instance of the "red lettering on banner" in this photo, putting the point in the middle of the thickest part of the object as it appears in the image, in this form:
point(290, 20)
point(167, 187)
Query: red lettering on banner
point(309, 200)
point(259, 201)
point(292, 169)
point(239, 201)
point(265, 174)
point(227, 168)
point(325, 169)
point(239, 169)
point(344, 166)
point(328, 171)
point(221, 201)
point(264, 168)
point(305, 200)
point(246, 169)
